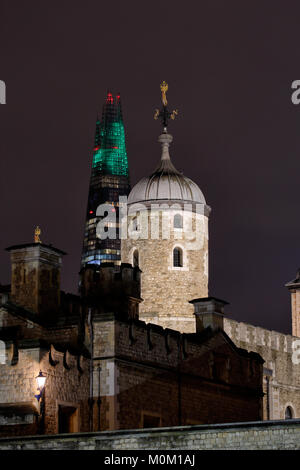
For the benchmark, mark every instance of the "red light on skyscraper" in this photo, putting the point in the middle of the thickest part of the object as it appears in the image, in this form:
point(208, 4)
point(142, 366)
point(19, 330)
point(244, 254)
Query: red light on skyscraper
point(109, 98)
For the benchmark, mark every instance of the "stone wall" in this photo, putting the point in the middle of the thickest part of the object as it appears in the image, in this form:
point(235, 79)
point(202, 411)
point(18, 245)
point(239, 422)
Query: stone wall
point(143, 367)
point(294, 289)
point(35, 277)
point(24, 328)
point(67, 384)
point(295, 304)
point(282, 374)
point(166, 290)
point(236, 436)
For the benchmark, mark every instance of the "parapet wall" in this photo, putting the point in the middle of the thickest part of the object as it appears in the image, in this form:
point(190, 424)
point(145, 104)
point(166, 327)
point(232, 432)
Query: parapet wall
point(282, 365)
point(276, 349)
point(165, 348)
point(202, 377)
point(244, 333)
point(260, 435)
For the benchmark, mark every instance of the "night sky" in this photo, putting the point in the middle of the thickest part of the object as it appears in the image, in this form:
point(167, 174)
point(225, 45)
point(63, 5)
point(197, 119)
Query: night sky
point(229, 66)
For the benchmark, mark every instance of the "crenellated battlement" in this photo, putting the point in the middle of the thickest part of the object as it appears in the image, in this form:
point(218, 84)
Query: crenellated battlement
point(112, 288)
point(281, 367)
point(256, 336)
point(149, 365)
point(152, 345)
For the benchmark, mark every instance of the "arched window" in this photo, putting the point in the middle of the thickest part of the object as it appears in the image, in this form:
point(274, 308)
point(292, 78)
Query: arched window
point(135, 260)
point(177, 258)
point(177, 221)
point(136, 222)
point(288, 413)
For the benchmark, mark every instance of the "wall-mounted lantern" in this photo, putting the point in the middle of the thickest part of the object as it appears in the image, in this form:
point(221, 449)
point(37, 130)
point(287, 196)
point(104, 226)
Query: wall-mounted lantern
point(40, 380)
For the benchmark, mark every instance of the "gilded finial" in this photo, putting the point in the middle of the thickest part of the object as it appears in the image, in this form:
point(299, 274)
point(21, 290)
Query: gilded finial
point(164, 88)
point(164, 114)
point(37, 234)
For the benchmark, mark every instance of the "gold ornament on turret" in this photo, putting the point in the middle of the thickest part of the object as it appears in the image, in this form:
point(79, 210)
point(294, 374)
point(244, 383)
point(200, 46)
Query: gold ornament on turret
point(37, 234)
point(165, 114)
point(164, 88)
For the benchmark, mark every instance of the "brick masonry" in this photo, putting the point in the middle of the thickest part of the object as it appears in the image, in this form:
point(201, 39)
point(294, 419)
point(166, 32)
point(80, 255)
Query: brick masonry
point(267, 435)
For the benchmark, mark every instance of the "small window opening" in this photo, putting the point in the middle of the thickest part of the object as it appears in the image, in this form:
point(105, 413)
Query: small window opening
point(177, 258)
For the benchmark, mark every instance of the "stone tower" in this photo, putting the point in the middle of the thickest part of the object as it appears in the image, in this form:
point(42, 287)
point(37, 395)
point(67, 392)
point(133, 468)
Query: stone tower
point(35, 277)
point(294, 288)
point(168, 239)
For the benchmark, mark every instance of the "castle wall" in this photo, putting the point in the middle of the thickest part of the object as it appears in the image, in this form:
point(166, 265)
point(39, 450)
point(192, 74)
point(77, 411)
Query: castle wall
point(155, 375)
point(26, 328)
point(24, 352)
point(104, 374)
point(282, 373)
point(67, 384)
point(278, 435)
point(29, 328)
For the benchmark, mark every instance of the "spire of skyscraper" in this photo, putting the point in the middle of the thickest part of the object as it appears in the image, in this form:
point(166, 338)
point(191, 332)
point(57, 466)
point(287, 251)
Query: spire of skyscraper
point(110, 156)
point(109, 180)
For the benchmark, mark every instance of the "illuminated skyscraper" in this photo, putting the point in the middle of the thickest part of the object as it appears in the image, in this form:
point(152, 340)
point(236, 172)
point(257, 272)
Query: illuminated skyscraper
point(109, 180)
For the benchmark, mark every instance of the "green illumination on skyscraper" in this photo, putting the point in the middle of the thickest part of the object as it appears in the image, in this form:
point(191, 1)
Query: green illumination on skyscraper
point(109, 181)
point(110, 156)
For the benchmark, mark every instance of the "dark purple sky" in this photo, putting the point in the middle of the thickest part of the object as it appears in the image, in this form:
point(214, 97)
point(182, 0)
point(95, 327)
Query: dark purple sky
point(229, 65)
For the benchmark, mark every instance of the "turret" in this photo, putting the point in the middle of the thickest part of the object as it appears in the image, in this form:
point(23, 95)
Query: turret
point(168, 235)
point(294, 288)
point(35, 277)
point(110, 288)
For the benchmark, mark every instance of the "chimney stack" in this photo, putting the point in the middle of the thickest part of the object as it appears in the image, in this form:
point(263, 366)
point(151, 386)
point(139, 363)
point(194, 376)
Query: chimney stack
point(294, 288)
point(209, 312)
point(35, 277)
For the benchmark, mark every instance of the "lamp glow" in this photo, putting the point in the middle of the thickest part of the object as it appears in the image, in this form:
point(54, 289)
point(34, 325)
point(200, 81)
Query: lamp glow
point(40, 379)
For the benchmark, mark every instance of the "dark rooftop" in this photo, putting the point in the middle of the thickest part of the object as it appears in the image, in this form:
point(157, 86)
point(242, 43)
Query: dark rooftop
point(31, 245)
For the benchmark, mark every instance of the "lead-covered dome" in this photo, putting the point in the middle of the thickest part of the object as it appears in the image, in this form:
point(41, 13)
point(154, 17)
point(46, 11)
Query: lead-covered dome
point(166, 183)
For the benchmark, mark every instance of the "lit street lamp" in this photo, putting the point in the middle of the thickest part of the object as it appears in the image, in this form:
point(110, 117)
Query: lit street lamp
point(40, 380)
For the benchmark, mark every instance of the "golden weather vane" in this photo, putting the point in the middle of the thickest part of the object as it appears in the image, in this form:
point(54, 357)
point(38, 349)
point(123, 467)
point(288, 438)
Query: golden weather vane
point(164, 114)
point(164, 88)
point(37, 234)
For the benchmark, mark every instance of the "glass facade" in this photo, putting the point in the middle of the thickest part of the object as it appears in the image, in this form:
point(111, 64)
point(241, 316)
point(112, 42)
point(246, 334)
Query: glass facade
point(110, 156)
point(109, 180)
